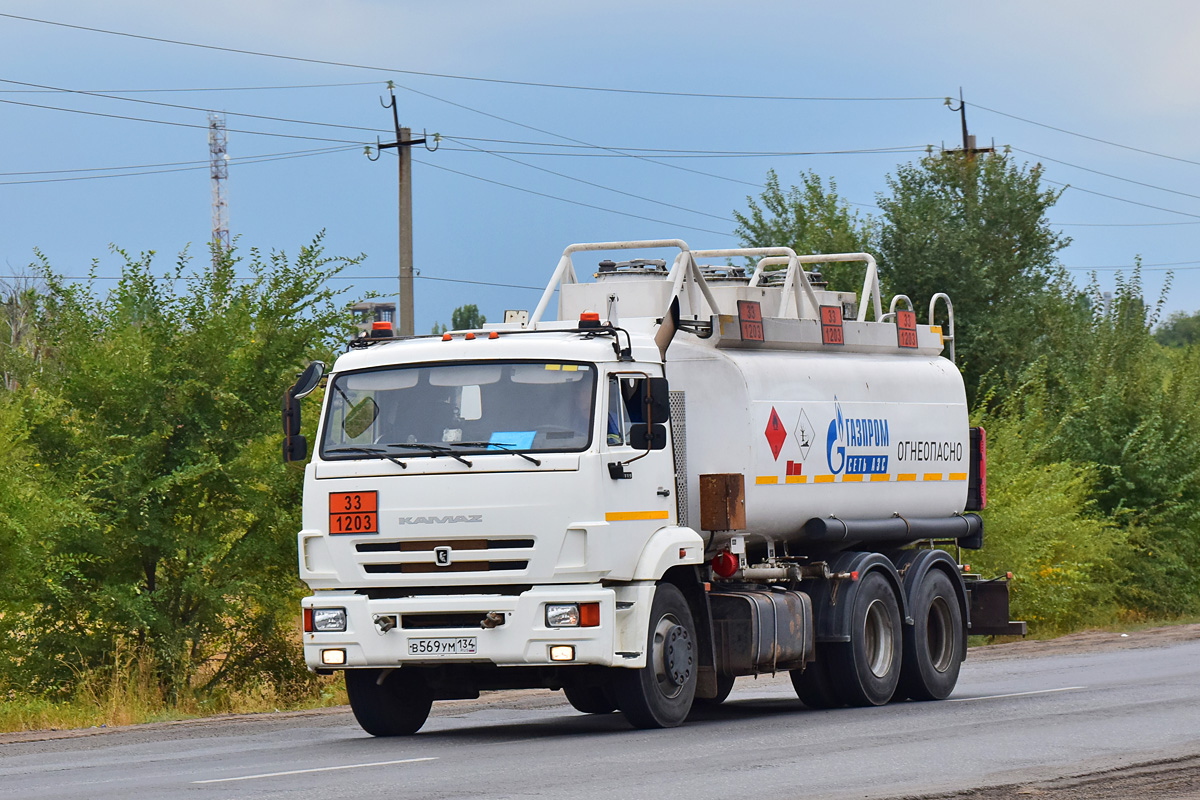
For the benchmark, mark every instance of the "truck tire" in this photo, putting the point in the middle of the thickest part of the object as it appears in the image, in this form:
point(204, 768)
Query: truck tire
point(933, 645)
point(397, 705)
point(866, 670)
point(724, 687)
point(813, 685)
point(660, 694)
point(590, 699)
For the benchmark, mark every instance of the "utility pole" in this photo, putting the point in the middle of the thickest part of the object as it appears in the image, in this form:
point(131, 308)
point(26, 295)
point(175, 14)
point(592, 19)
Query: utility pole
point(218, 163)
point(403, 145)
point(968, 140)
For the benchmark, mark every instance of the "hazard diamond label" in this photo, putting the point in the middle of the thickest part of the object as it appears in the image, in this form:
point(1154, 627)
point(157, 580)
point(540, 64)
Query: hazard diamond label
point(776, 433)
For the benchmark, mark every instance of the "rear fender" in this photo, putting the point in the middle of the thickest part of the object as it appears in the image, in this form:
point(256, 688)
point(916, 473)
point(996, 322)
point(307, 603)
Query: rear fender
point(833, 599)
point(914, 565)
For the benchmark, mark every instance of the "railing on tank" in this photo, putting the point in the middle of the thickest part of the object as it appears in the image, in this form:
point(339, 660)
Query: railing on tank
point(684, 272)
point(796, 279)
point(947, 338)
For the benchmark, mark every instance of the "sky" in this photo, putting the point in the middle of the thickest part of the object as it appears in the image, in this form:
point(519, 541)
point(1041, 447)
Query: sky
point(1103, 94)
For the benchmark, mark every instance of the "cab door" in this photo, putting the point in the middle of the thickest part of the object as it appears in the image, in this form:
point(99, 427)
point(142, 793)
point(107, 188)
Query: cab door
point(639, 476)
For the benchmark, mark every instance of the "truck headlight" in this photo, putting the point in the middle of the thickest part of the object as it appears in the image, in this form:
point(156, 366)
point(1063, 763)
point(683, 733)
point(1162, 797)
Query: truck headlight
point(572, 615)
point(329, 619)
point(562, 615)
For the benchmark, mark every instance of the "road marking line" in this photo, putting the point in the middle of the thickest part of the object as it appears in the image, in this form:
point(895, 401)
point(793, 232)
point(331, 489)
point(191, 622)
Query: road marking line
point(1014, 694)
point(316, 769)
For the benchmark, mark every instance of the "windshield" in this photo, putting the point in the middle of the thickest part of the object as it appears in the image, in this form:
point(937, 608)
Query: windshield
point(528, 406)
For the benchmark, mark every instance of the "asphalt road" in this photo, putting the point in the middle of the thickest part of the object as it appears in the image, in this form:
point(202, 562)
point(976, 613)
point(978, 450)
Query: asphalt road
point(1012, 719)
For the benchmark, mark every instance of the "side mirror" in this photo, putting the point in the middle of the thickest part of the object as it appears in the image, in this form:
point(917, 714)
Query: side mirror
point(308, 380)
point(648, 437)
point(295, 446)
point(656, 399)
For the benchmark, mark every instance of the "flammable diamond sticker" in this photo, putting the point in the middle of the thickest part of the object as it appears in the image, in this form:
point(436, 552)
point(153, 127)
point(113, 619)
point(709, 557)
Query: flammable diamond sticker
point(804, 435)
point(776, 433)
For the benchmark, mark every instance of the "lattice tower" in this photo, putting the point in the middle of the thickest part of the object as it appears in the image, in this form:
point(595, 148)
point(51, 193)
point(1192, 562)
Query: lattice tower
point(218, 157)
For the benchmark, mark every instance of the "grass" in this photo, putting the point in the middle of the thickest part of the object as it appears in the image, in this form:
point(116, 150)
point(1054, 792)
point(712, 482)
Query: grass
point(130, 696)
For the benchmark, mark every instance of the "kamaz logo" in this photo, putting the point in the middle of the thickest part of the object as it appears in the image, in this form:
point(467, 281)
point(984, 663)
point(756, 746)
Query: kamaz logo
point(448, 520)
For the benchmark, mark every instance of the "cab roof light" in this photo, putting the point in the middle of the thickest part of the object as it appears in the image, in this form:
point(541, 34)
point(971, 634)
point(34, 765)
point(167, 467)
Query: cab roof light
point(446, 337)
point(589, 319)
point(494, 335)
point(469, 336)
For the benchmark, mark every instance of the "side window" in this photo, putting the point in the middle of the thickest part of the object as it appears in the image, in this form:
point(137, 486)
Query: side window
point(618, 416)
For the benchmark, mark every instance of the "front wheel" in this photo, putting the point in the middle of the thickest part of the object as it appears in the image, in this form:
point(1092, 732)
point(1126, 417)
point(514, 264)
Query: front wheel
point(660, 694)
point(389, 702)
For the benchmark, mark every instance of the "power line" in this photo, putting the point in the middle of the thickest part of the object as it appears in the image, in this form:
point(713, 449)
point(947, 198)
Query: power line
point(176, 124)
point(1121, 199)
point(1108, 175)
point(192, 108)
point(1170, 266)
point(475, 78)
point(659, 150)
point(263, 160)
point(1085, 136)
point(251, 278)
point(602, 186)
point(1119, 224)
point(567, 200)
point(665, 154)
point(204, 89)
point(233, 160)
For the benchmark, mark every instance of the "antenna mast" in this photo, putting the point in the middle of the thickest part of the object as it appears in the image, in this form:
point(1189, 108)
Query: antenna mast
point(218, 159)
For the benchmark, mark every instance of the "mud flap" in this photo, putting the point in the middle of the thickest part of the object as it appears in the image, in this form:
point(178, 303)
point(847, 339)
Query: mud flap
point(989, 609)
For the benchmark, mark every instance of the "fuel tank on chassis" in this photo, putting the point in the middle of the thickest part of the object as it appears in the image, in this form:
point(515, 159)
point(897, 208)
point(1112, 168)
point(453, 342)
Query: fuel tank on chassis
point(852, 435)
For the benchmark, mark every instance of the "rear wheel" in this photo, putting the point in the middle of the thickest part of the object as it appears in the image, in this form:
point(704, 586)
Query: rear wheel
point(813, 684)
point(866, 670)
point(933, 645)
point(389, 702)
point(590, 699)
point(660, 694)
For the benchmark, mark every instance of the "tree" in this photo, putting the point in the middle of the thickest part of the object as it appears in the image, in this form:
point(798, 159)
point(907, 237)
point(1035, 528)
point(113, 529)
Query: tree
point(1179, 330)
point(810, 219)
point(467, 318)
point(463, 318)
point(976, 229)
point(158, 412)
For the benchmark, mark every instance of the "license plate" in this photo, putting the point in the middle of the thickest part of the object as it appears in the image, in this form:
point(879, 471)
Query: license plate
point(461, 646)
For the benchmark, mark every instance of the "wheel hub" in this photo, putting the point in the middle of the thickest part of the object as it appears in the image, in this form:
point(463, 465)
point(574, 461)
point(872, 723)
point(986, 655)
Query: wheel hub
point(677, 655)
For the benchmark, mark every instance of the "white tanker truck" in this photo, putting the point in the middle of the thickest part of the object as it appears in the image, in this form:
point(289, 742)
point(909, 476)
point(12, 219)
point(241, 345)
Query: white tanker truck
point(695, 473)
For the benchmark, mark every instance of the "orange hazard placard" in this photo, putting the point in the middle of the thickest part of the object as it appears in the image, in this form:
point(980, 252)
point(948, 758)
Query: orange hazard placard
point(831, 325)
point(354, 512)
point(750, 320)
point(906, 328)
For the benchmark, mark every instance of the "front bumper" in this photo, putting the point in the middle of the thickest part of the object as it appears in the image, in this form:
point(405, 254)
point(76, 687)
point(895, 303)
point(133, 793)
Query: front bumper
point(523, 639)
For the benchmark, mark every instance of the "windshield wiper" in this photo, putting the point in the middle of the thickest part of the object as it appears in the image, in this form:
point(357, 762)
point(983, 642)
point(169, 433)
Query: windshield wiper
point(508, 448)
point(375, 451)
point(431, 450)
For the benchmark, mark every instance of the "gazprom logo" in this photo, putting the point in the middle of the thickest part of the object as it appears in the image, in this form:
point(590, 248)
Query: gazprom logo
point(835, 440)
point(848, 434)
